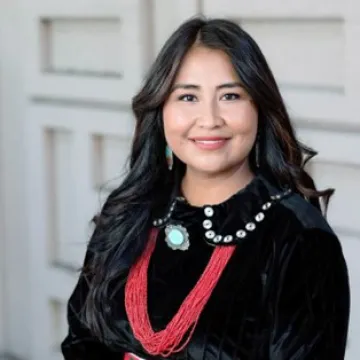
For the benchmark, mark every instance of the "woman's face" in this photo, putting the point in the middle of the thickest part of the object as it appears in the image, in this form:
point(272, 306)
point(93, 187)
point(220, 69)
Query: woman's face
point(210, 121)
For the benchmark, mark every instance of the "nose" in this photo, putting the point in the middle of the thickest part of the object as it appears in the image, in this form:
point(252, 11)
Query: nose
point(210, 116)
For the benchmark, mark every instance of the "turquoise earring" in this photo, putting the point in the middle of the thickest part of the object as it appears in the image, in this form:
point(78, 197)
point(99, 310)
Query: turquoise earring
point(169, 157)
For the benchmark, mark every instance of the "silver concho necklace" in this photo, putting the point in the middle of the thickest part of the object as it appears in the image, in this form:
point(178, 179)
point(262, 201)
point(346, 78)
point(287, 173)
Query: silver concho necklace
point(177, 236)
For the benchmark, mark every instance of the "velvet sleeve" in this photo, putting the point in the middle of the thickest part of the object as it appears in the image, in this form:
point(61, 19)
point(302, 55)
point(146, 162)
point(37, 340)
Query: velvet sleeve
point(307, 305)
point(79, 343)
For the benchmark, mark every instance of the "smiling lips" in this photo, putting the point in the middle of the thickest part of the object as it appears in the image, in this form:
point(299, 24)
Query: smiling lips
point(210, 142)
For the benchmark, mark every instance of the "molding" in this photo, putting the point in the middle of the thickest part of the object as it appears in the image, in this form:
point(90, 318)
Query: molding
point(68, 268)
point(48, 42)
point(313, 87)
point(2, 235)
point(339, 164)
point(333, 146)
point(200, 6)
point(344, 126)
point(83, 104)
point(148, 33)
point(85, 81)
point(343, 232)
point(2, 213)
point(293, 19)
point(84, 73)
point(8, 356)
point(324, 9)
point(71, 18)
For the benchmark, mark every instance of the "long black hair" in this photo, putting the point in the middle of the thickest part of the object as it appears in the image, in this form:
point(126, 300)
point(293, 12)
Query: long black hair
point(121, 229)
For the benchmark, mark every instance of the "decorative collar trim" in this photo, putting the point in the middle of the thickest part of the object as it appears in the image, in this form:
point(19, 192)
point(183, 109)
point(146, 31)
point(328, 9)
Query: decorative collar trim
point(231, 221)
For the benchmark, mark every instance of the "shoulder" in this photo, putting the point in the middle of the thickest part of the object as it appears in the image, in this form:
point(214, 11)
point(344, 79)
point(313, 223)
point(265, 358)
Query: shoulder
point(305, 231)
point(306, 240)
point(302, 239)
point(299, 226)
point(296, 213)
point(307, 216)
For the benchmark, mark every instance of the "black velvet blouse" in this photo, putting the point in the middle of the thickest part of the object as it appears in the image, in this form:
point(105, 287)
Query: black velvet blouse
point(284, 295)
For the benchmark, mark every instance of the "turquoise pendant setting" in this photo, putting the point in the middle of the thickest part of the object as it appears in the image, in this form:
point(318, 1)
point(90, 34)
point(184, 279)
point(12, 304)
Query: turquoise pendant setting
point(177, 237)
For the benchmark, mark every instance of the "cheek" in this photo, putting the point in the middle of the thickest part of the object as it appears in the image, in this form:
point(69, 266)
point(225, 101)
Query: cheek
point(176, 123)
point(243, 120)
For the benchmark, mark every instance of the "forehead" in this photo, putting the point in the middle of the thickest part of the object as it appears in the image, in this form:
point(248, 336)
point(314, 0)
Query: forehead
point(202, 64)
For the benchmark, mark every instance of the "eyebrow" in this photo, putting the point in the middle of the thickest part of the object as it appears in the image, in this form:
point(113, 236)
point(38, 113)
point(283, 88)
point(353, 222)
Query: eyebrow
point(229, 85)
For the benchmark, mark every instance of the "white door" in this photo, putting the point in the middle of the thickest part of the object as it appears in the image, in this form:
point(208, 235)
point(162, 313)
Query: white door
point(313, 49)
point(85, 61)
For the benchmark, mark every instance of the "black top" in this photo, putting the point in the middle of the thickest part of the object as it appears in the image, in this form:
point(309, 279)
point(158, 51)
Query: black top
point(284, 295)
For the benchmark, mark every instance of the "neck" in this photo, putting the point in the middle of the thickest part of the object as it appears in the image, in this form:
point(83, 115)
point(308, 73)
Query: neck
point(201, 189)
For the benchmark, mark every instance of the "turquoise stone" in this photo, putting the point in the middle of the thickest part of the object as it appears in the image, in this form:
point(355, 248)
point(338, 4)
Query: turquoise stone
point(176, 237)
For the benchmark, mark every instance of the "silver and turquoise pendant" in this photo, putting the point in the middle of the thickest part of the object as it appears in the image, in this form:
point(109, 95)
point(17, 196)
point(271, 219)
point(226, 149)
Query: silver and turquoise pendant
point(177, 237)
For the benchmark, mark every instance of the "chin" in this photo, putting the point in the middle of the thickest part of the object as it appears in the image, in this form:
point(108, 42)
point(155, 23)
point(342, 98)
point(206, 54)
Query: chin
point(209, 170)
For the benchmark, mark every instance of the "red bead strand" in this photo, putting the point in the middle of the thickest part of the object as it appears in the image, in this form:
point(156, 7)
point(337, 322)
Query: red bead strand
point(172, 338)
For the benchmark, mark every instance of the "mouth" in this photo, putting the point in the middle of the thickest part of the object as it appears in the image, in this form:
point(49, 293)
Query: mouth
point(210, 143)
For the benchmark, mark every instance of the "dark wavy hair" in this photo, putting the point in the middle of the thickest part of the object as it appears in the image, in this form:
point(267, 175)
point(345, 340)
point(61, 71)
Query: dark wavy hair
point(121, 229)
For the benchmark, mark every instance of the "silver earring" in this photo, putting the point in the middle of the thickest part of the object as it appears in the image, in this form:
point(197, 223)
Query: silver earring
point(169, 157)
point(257, 154)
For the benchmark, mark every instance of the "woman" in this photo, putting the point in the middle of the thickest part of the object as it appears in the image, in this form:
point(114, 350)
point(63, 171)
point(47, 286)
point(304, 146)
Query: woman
point(215, 248)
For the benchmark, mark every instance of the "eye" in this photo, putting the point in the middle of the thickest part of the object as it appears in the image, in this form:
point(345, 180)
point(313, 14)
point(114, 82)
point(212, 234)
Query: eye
point(231, 96)
point(187, 98)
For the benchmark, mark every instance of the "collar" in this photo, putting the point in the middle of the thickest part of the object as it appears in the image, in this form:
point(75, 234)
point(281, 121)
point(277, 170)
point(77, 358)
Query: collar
point(239, 217)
